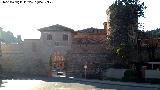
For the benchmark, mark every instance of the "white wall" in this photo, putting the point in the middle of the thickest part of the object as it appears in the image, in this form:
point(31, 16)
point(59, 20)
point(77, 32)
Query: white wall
point(114, 73)
point(152, 74)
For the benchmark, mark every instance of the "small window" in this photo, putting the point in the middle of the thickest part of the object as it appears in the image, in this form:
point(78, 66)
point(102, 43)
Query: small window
point(57, 43)
point(49, 37)
point(65, 37)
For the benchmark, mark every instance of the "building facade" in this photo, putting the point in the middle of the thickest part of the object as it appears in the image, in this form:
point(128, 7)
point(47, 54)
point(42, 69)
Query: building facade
point(32, 56)
point(51, 51)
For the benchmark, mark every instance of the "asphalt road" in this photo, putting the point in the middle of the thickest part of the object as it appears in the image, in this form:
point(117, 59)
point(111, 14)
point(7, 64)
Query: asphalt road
point(62, 84)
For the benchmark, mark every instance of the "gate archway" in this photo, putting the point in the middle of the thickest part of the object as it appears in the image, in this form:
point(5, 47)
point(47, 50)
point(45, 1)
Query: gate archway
point(56, 63)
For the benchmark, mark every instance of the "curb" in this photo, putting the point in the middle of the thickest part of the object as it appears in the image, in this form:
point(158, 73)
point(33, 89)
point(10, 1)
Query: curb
point(120, 83)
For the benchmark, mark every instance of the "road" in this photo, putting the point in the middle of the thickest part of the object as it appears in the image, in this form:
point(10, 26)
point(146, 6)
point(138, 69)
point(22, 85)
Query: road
point(62, 84)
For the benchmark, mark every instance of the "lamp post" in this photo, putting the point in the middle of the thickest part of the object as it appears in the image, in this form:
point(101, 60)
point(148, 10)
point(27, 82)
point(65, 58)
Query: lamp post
point(85, 70)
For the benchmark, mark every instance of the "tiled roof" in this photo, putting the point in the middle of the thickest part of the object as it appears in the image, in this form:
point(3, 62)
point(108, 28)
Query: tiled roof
point(56, 27)
point(91, 30)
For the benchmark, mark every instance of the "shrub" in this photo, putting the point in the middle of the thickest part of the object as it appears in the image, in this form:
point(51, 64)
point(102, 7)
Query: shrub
point(129, 75)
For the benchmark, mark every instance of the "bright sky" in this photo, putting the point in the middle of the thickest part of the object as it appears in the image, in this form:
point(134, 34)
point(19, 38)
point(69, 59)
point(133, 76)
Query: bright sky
point(25, 19)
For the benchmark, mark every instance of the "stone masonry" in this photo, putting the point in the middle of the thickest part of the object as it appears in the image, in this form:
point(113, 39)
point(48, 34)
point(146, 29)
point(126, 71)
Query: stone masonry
point(38, 56)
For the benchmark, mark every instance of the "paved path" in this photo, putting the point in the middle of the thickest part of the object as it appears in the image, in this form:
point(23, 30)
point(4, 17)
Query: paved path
point(67, 84)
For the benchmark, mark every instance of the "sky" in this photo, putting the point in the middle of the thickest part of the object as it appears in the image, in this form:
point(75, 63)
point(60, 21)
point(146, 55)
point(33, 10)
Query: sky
point(25, 18)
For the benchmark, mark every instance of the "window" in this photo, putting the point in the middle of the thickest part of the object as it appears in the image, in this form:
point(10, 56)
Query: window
point(65, 37)
point(57, 43)
point(49, 37)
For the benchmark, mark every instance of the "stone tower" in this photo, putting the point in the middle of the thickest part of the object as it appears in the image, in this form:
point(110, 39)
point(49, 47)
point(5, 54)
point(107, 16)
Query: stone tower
point(55, 41)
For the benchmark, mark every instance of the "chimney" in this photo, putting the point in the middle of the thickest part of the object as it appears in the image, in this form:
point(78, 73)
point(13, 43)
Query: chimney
point(105, 27)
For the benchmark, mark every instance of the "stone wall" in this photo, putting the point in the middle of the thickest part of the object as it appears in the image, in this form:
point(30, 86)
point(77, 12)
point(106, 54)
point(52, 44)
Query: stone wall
point(33, 55)
point(87, 48)
point(78, 60)
point(12, 59)
point(56, 45)
point(32, 52)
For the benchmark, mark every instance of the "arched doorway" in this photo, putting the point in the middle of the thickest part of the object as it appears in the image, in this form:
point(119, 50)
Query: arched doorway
point(56, 63)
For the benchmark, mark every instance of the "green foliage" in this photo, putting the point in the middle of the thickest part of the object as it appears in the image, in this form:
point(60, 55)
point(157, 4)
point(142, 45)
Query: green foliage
point(129, 75)
point(8, 37)
point(121, 51)
point(124, 19)
point(123, 24)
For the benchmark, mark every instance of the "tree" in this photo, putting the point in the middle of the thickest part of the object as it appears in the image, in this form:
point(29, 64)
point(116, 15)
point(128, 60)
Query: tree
point(8, 37)
point(123, 22)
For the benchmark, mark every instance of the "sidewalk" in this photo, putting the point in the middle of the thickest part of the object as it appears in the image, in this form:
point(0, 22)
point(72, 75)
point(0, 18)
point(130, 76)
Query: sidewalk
point(130, 84)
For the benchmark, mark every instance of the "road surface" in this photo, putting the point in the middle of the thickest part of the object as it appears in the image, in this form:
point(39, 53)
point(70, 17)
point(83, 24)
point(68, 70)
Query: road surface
point(63, 84)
